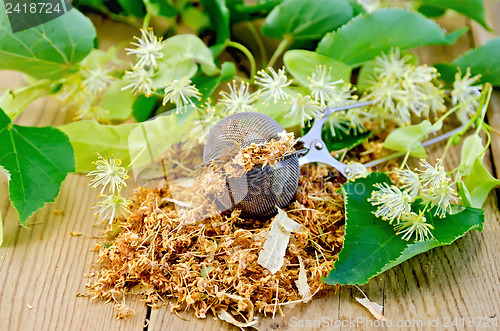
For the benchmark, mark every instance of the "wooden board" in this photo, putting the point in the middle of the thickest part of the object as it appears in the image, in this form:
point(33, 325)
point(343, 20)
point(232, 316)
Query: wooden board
point(42, 269)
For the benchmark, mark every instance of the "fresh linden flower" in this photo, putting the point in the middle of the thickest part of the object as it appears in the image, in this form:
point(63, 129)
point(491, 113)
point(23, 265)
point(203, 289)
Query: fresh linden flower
point(323, 89)
point(96, 79)
point(411, 182)
point(208, 118)
point(237, 100)
point(391, 201)
point(392, 66)
point(414, 224)
point(180, 93)
point(466, 95)
point(442, 197)
point(384, 94)
point(338, 123)
point(139, 81)
point(357, 117)
point(148, 49)
point(433, 176)
point(304, 108)
point(344, 96)
point(433, 99)
point(401, 89)
point(112, 207)
point(109, 172)
point(272, 85)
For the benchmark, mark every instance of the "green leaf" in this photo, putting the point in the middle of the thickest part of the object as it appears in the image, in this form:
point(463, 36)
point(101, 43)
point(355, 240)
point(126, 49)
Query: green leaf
point(342, 140)
point(13, 102)
point(470, 8)
point(301, 64)
point(368, 35)
point(125, 139)
point(253, 11)
point(48, 50)
point(161, 8)
point(117, 103)
point(132, 7)
point(431, 11)
point(306, 20)
point(446, 71)
point(408, 139)
point(484, 60)
point(38, 160)
point(143, 107)
point(370, 244)
point(220, 17)
point(366, 75)
point(207, 84)
point(195, 19)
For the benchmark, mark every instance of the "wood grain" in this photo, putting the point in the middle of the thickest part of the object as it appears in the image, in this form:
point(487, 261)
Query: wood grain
point(44, 267)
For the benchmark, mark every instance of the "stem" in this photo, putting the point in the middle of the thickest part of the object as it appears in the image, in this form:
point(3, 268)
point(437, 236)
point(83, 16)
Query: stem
point(404, 161)
point(260, 44)
point(282, 47)
point(145, 23)
point(248, 54)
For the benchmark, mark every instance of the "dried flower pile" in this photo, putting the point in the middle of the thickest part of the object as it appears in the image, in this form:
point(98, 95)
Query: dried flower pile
point(212, 264)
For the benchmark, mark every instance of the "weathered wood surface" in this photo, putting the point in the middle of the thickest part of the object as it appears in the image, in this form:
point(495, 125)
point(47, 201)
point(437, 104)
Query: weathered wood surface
point(42, 269)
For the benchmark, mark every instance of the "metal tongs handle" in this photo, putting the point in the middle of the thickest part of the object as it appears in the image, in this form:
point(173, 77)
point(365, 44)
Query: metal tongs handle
point(316, 147)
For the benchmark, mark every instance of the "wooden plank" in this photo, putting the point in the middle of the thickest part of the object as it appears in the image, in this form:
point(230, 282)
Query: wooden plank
point(481, 36)
point(42, 269)
point(454, 281)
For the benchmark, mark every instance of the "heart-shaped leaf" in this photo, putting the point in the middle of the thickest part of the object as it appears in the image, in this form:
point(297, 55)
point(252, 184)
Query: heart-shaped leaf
point(220, 19)
point(470, 8)
point(38, 160)
point(368, 35)
point(306, 20)
point(47, 50)
point(484, 60)
point(371, 245)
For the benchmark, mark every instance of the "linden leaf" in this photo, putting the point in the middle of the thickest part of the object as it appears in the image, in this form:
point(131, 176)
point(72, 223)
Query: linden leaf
point(272, 255)
point(484, 60)
point(367, 36)
point(49, 49)
point(220, 16)
point(38, 160)
point(311, 19)
point(470, 8)
point(370, 244)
